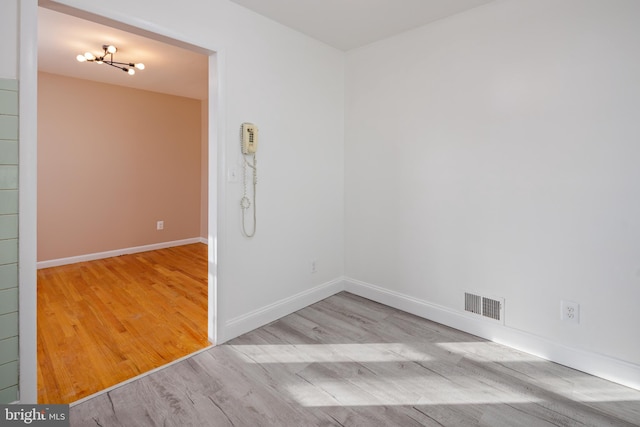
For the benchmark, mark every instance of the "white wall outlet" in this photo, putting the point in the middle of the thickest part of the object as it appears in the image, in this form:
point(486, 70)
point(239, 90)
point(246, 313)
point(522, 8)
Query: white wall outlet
point(160, 225)
point(313, 266)
point(570, 311)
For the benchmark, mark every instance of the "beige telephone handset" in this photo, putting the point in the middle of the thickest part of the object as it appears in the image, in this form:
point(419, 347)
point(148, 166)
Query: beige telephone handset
point(249, 146)
point(249, 138)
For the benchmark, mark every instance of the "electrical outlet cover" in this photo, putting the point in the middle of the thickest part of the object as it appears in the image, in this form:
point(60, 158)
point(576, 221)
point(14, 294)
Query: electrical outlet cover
point(570, 311)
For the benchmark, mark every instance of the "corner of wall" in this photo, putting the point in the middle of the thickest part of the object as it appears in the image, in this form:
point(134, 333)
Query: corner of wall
point(262, 316)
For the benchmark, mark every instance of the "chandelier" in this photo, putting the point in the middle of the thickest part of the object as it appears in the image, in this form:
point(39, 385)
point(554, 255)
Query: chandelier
point(107, 58)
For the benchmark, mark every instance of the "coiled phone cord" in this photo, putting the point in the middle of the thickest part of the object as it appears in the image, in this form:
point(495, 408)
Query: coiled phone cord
point(245, 203)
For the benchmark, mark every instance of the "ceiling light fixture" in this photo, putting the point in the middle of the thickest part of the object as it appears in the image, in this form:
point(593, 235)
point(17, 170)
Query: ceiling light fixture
point(109, 50)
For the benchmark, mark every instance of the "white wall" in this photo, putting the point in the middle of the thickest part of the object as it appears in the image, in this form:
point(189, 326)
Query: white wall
point(292, 87)
point(497, 151)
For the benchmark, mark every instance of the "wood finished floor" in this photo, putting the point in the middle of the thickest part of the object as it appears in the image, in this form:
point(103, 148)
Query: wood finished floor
point(347, 361)
point(103, 322)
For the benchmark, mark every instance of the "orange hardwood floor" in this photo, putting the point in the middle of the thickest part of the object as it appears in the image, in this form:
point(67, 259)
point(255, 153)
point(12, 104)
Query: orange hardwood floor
point(103, 322)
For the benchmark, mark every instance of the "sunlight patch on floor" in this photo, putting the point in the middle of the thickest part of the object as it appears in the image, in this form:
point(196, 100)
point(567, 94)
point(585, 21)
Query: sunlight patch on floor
point(585, 388)
point(356, 375)
point(414, 391)
point(488, 352)
point(330, 353)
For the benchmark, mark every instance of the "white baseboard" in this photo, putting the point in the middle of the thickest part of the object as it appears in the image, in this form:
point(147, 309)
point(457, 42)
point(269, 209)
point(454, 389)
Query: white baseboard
point(262, 316)
point(609, 368)
point(118, 252)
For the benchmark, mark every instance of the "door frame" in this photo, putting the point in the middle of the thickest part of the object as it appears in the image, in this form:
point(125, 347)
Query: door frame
point(28, 78)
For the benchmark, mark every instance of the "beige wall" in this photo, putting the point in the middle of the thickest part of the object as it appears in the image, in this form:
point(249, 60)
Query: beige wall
point(204, 169)
point(111, 162)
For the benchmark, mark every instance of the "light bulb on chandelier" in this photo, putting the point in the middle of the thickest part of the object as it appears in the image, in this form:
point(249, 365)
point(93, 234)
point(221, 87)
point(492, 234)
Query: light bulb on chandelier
point(107, 58)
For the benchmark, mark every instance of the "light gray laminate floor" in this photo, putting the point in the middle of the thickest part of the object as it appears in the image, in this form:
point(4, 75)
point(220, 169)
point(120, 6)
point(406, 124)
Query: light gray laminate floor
point(347, 361)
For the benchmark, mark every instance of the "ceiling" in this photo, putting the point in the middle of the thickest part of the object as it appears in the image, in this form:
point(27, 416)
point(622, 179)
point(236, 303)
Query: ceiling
point(348, 24)
point(168, 69)
point(178, 71)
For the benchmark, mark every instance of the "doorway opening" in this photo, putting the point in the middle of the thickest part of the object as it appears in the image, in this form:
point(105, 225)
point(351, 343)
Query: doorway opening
point(89, 268)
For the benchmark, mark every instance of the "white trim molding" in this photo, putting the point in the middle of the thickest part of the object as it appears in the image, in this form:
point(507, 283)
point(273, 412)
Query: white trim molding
point(609, 368)
point(118, 252)
point(28, 199)
point(262, 316)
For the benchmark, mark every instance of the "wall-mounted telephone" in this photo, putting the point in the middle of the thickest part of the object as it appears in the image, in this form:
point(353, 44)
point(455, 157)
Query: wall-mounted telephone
point(249, 138)
point(249, 146)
